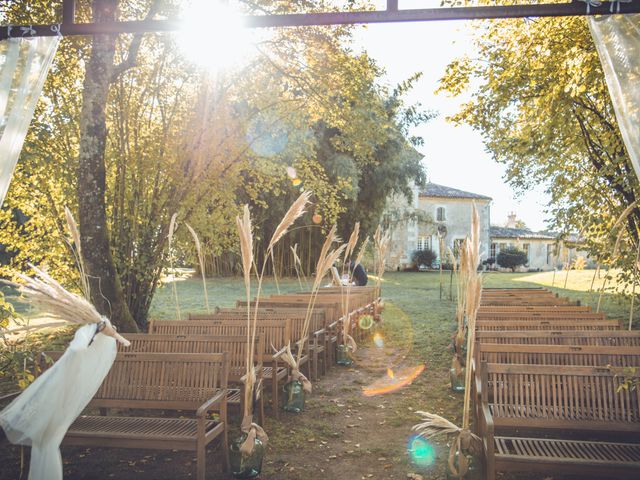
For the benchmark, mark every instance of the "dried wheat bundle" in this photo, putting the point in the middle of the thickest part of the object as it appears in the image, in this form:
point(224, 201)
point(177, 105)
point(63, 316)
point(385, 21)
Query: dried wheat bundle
point(77, 252)
point(295, 374)
point(297, 265)
point(47, 294)
point(296, 210)
point(196, 240)
point(465, 441)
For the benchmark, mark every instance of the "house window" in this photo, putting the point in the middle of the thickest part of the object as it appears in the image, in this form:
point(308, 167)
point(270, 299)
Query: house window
point(457, 245)
point(440, 214)
point(525, 249)
point(494, 250)
point(424, 243)
point(549, 253)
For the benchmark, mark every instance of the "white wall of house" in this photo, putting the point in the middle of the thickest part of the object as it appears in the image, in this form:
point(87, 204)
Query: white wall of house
point(541, 252)
point(410, 237)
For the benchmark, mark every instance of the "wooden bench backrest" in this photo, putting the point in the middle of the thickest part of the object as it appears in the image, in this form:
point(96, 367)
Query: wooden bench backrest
point(535, 308)
point(316, 320)
point(332, 309)
point(235, 347)
point(560, 337)
point(488, 325)
point(274, 332)
point(355, 300)
point(587, 355)
point(548, 393)
point(539, 316)
point(537, 302)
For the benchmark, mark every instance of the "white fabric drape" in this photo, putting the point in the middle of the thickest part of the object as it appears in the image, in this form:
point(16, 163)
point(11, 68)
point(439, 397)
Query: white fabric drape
point(617, 38)
point(24, 64)
point(42, 414)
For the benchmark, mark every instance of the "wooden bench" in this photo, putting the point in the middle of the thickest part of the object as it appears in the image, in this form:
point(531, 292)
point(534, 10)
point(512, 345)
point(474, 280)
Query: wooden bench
point(317, 336)
point(153, 381)
point(612, 338)
point(234, 347)
point(565, 401)
point(276, 335)
point(570, 324)
point(331, 312)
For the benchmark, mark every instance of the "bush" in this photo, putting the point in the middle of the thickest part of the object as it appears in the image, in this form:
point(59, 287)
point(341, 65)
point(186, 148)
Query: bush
point(512, 258)
point(423, 257)
point(579, 263)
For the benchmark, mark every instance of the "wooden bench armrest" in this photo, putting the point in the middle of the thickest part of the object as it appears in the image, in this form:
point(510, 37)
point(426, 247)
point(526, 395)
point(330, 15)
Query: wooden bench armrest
point(209, 404)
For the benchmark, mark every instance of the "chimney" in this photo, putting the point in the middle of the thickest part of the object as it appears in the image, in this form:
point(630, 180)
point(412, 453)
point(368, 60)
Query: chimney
point(511, 220)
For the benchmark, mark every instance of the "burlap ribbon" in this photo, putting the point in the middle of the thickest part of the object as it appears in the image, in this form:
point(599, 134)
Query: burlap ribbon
point(253, 431)
point(465, 443)
point(350, 342)
point(297, 376)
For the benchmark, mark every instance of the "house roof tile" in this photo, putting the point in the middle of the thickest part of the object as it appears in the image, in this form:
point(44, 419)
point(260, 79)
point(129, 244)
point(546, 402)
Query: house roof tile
point(435, 190)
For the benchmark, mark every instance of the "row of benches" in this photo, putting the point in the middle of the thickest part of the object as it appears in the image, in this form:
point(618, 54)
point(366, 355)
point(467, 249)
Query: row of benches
point(549, 387)
point(195, 367)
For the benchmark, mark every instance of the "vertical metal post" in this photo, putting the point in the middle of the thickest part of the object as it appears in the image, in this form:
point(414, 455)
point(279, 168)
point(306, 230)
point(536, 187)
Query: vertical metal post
point(68, 12)
point(392, 5)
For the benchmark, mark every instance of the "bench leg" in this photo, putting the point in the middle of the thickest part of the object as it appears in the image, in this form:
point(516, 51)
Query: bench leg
point(274, 396)
point(202, 459)
point(225, 447)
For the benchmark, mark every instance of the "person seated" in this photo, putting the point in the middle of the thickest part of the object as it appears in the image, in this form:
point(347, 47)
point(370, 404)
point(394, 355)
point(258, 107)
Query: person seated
point(358, 274)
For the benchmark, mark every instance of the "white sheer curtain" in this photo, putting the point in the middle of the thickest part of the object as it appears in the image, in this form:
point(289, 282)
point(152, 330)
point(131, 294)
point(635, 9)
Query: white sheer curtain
point(42, 414)
point(617, 38)
point(24, 64)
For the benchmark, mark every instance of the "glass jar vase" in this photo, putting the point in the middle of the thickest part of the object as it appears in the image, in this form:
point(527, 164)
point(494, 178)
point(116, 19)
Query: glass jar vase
point(295, 395)
point(343, 355)
point(457, 379)
point(474, 468)
point(245, 466)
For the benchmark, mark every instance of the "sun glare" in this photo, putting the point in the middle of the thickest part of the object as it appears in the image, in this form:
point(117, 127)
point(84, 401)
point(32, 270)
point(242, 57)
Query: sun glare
point(213, 35)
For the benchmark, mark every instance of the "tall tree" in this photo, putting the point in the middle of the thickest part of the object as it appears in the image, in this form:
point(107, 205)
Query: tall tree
point(540, 100)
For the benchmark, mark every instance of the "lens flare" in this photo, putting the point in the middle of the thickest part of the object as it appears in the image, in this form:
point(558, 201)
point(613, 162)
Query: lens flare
point(378, 341)
point(365, 322)
point(296, 182)
point(393, 381)
point(291, 172)
point(421, 452)
point(317, 218)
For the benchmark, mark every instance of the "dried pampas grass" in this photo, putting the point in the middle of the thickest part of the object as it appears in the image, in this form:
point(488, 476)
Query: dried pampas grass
point(77, 252)
point(172, 230)
point(196, 240)
point(50, 296)
point(296, 210)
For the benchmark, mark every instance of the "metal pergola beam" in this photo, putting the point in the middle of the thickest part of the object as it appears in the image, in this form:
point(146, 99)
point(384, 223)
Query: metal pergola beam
point(391, 15)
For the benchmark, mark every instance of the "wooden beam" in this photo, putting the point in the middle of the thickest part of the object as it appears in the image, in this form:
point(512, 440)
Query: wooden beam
point(574, 8)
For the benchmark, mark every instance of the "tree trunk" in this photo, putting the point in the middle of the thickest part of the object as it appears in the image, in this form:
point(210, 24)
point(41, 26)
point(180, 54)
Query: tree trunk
point(106, 290)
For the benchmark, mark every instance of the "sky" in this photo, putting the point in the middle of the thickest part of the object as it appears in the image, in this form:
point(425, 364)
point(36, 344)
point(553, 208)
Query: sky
point(455, 156)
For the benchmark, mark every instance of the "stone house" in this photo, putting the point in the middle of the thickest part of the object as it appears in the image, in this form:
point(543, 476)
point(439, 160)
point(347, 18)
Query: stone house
point(439, 210)
point(434, 209)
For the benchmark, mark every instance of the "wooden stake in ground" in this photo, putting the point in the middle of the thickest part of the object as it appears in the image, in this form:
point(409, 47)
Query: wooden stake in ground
point(196, 240)
point(172, 229)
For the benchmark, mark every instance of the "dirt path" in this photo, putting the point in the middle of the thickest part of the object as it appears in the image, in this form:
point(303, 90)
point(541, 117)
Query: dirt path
point(345, 434)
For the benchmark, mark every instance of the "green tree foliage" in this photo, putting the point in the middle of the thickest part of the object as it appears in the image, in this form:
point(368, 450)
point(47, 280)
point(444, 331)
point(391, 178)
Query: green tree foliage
point(423, 257)
point(179, 140)
point(512, 258)
point(540, 100)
